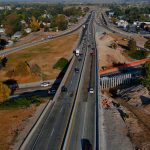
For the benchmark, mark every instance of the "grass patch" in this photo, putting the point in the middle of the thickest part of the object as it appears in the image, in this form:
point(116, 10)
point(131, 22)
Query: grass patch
point(21, 102)
point(140, 54)
point(61, 63)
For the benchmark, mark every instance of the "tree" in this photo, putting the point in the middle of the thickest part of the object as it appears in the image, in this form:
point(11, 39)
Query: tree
point(114, 45)
point(4, 92)
point(12, 24)
point(22, 69)
point(35, 25)
point(36, 69)
point(61, 22)
point(132, 45)
point(3, 62)
point(3, 43)
point(46, 29)
point(146, 79)
point(147, 44)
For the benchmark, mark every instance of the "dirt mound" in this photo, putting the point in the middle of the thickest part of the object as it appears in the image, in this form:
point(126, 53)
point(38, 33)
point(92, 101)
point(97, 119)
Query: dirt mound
point(107, 55)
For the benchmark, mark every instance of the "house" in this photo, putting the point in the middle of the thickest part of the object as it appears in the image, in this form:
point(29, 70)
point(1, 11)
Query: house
point(110, 14)
point(2, 30)
point(122, 23)
point(28, 30)
point(2, 8)
point(10, 43)
point(23, 22)
point(17, 35)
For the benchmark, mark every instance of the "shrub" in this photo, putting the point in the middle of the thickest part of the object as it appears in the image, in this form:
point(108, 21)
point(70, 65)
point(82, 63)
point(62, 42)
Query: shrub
point(61, 63)
point(4, 92)
point(138, 54)
point(132, 45)
point(21, 102)
point(147, 44)
point(22, 69)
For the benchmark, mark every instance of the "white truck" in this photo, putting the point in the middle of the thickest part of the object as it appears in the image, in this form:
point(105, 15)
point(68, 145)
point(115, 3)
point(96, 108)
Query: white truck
point(77, 52)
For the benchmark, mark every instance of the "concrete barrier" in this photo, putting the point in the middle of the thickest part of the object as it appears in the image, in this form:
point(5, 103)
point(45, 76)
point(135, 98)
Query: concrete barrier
point(110, 82)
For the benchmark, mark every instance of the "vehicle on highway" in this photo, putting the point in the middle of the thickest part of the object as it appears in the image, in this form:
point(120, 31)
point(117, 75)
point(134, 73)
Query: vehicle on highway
point(92, 53)
point(80, 59)
point(50, 36)
point(91, 90)
point(52, 91)
point(89, 45)
point(76, 70)
point(77, 52)
point(45, 84)
point(63, 89)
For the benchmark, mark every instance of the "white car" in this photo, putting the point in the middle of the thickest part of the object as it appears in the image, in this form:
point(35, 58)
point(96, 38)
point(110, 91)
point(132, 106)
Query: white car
point(45, 84)
point(91, 90)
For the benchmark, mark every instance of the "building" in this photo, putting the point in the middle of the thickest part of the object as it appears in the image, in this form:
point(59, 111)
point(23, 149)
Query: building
point(2, 30)
point(110, 14)
point(28, 30)
point(122, 23)
point(17, 35)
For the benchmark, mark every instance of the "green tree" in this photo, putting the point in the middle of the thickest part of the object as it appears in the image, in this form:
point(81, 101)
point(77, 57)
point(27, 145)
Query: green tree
point(146, 79)
point(132, 45)
point(147, 44)
point(61, 22)
point(4, 92)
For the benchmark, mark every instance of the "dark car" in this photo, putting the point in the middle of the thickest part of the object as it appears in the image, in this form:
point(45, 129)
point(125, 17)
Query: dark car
point(52, 91)
point(76, 70)
point(63, 89)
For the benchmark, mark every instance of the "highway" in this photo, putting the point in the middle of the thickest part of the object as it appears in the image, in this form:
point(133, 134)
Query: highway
point(82, 134)
point(50, 133)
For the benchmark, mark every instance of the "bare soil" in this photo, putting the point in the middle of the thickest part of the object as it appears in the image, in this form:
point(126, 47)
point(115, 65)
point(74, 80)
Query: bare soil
point(138, 122)
point(108, 55)
point(11, 123)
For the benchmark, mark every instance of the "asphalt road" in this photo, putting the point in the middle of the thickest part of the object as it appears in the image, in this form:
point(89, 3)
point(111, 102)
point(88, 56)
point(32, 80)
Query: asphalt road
point(51, 131)
point(84, 126)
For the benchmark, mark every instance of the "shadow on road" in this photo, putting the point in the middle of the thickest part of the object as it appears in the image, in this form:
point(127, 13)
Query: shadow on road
point(145, 100)
point(86, 145)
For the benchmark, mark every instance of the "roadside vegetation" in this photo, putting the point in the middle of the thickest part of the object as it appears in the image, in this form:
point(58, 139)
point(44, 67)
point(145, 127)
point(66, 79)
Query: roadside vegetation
point(134, 53)
point(4, 92)
point(61, 63)
point(20, 102)
point(146, 77)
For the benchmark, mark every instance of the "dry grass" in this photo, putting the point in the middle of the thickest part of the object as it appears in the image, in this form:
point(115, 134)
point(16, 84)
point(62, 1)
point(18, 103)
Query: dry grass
point(45, 55)
point(11, 123)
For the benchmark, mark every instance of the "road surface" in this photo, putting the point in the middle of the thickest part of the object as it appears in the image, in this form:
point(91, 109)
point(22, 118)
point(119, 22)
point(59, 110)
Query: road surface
point(51, 131)
point(83, 132)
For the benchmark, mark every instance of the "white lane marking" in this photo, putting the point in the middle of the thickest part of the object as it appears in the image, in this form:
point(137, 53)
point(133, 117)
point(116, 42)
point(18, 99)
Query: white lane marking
point(61, 109)
point(52, 132)
point(85, 113)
